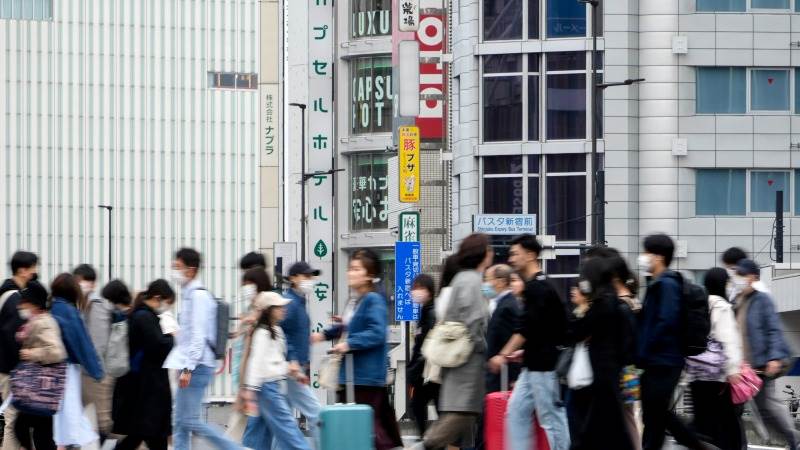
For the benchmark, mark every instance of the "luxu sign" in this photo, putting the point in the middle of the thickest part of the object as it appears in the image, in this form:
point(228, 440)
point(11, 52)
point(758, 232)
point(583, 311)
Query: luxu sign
point(372, 22)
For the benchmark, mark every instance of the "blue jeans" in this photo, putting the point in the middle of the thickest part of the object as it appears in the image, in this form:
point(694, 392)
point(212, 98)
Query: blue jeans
point(539, 392)
point(300, 397)
point(276, 425)
point(188, 403)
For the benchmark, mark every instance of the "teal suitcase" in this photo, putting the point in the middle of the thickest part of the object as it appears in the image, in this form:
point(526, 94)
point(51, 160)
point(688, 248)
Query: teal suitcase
point(347, 426)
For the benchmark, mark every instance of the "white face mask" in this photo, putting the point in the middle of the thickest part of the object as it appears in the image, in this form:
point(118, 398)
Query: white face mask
point(419, 296)
point(248, 292)
point(740, 283)
point(163, 307)
point(178, 277)
point(25, 314)
point(86, 287)
point(307, 286)
point(644, 262)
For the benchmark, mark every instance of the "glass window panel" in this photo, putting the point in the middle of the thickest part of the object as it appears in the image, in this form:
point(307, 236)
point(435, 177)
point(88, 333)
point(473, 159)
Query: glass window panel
point(721, 5)
point(227, 80)
point(502, 63)
point(502, 19)
point(770, 4)
point(566, 61)
point(769, 90)
point(371, 84)
point(533, 19)
point(533, 108)
point(598, 107)
point(533, 197)
point(566, 18)
point(502, 195)
point(763, 186)
point(797, 84)
point(721, 90)
point(369, 192)
point(533, 62)
point(566, 106)
point(502, 109)
point(566, 207)
point(720, 193)
point(533, 164)
point(370, 18)
point(564, 265)
point(796, 6)
point(575, 162)
point(502, 165)
point(600, 19)
point(796, 192)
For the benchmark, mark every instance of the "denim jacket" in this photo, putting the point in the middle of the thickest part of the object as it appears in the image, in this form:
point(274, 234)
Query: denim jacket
point(76, 339)
point(296, 327)
point(764, 334)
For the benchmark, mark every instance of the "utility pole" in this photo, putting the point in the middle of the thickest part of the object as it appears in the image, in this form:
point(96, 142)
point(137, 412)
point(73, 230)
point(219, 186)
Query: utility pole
point(110, 209)
point(302, 107)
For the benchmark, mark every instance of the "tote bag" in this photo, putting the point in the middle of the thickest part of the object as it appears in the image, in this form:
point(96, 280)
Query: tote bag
point(580, 372)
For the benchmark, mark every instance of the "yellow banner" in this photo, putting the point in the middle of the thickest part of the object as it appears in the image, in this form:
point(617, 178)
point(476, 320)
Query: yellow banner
point(409, 164)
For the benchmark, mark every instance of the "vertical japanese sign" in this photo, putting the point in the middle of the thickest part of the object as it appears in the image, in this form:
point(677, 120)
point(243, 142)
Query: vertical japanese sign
point(409, 15)
point(431, 36)
point(406, 268)
point(408, 153)
point(409, 226)
point(319, 188)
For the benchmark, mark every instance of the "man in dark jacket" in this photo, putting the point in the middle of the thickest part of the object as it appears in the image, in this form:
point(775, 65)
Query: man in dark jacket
point(658, 348)
point(24, 267)
point(764, 347)
point(504, 317)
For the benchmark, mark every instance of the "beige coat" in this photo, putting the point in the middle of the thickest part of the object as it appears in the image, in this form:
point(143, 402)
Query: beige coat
point(44, 340)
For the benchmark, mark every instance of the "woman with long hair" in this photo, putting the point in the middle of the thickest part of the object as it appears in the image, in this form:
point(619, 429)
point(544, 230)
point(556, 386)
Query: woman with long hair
point(364, 324)
point(266, 369)
point(142, 398)
point(70, 426)
point(462, 391)
point(422, 392)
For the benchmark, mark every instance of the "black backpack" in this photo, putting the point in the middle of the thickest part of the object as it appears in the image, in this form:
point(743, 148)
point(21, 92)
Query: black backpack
point(695, 319)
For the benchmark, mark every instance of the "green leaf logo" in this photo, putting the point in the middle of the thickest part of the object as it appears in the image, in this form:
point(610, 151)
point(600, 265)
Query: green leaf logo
point(320, 249)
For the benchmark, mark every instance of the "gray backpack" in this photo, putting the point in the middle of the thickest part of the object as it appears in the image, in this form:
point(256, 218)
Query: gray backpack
point(117, 361)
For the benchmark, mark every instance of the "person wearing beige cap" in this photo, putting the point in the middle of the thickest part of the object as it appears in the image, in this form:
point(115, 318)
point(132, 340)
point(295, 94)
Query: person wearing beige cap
point(266, 370)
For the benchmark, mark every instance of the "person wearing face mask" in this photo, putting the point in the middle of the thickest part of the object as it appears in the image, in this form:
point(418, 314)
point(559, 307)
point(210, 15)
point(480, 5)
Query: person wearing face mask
point(504, 317)
point(97, 314)
point(764, 347)
point(658, 346)
point(254, 281)
point(422, 393)
point(142, 398)
point(24, 266)
point(40, 340)
point(730, 258)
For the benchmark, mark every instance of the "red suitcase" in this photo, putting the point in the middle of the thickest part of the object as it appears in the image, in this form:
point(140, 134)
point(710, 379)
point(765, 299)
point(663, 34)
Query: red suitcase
point(495, 416)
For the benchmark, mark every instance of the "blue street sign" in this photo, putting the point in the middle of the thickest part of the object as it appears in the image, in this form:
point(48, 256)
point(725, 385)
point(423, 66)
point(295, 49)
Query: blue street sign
point(406, 267)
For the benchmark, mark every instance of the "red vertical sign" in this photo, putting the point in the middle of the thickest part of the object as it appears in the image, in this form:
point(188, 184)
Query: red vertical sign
point(431, 37)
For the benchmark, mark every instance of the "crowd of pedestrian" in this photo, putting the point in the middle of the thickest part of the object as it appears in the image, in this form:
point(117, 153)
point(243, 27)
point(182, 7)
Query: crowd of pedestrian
point(506, 363)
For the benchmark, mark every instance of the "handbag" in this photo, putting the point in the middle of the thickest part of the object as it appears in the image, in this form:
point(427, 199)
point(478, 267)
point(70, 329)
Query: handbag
point(748, 387)
point(580, 372)
point(709, 365)
point(564, 361)
point(329, 371)
point(448, 345)
point(38, 388)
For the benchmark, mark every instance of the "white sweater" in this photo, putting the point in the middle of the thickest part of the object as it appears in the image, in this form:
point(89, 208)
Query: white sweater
point(267, 361)
point(725, 330)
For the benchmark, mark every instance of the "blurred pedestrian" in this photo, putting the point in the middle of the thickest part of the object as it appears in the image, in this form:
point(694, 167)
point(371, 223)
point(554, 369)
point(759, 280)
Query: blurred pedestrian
point(40, 340)
point(712, 371)
point(361, 331)
point(463, 387)
point(266, 369)
point(504, 316)
point(541, 332)
point(24, 270)
point(765, 348)
point(142, 398)
point(730, 258)
point(70, 425)
point(422, 392)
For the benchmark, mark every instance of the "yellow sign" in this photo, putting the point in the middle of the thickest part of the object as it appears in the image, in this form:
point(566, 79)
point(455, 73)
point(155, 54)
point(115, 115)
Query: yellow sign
point(409, 164)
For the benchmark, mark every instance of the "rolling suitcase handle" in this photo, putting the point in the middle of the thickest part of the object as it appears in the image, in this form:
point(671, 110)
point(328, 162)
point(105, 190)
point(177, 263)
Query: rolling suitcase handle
point(504, 377)
point(349, 383)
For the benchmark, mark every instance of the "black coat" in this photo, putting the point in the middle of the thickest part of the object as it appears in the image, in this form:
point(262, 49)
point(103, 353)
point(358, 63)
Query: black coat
point(504, 321)
point(427, 320)
point(142, 397)
point(10, 321)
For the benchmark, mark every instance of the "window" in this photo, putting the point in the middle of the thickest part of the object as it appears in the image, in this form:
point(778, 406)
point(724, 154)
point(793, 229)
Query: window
point(370, 18)
point(769, 90)
point(502, 19)
point(720, 192)
point(566, 95)
point(737, 192)
point(369, 192)
point(563, 272)
point(763, 186)
point(721, 90)
point(232, 80)
point(26, 9)
point(513, 185)
point(742, 5)
point(797, 88)
point(371, 81)
point(513, 100)
point(566, 19)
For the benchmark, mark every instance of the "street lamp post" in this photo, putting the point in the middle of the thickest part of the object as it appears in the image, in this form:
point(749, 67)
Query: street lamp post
point(302, 107)
point(598, 234)
point(108, 208)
